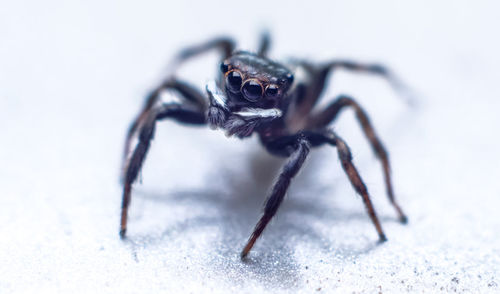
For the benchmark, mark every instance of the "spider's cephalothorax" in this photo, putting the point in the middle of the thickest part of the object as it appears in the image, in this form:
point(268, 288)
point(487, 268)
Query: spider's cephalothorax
point(257, 95)
point(252, 94)
point(253, 80)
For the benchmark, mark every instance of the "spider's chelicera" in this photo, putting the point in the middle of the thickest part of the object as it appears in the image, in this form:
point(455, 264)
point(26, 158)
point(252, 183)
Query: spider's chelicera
point(277, 102)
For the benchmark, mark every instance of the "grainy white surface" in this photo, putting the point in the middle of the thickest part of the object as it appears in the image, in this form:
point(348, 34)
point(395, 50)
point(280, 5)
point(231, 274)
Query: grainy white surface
point(72, 75)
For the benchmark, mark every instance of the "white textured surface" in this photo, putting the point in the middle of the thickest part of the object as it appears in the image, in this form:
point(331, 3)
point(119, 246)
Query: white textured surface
point(73, 75)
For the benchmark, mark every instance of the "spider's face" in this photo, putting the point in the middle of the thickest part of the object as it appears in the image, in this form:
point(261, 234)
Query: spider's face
point(256, 81)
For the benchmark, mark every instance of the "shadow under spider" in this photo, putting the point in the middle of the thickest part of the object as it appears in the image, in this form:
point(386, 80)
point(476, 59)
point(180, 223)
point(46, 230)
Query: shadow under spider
point(238, 203)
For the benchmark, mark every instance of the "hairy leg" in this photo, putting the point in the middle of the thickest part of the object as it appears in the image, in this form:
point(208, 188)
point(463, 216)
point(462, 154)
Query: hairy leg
point(319, 75)
point(296, 147)
point(265, 43)
point(188, 94)
point(357, 183)
point(146, 131)
point(278, 192)
point(321, 119)
point(224, 45)
point(186, 91)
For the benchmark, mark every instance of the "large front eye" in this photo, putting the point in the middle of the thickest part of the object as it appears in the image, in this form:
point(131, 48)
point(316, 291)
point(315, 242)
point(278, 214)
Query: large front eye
point(233, 81)
point(252, 90)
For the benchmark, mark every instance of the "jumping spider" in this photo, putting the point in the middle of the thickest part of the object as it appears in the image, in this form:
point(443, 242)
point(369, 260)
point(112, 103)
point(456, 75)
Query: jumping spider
point(257, 95)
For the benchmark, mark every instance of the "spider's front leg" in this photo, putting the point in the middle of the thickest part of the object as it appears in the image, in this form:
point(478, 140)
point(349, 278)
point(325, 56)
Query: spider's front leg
point(345, 156)
point(145, 131)
point(187, 92)
point(291, 168)
point(297, 147)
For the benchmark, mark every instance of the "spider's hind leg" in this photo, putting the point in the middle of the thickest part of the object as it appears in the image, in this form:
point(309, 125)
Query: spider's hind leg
point(265, 44)
point(319, 74)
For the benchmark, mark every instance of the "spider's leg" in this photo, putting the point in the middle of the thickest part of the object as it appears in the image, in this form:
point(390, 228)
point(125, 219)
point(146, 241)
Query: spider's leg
point(297, 147)
point(181, 113)
point(223, 44)
point(273, 201)
point(346, 160)
point(265, 43)
point(188, 94)
point(373, 68)
point(319, 76)
point(321, 119)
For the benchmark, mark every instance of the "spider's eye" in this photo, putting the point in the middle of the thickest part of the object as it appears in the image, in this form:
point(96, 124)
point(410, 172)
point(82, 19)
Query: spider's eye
point(252, 90)
point(272, 91)
point(289, 79)
point(233, 81)
point(224, 67)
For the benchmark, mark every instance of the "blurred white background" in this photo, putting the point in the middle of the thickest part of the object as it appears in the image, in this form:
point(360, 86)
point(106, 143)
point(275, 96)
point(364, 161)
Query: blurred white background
point(73, 74)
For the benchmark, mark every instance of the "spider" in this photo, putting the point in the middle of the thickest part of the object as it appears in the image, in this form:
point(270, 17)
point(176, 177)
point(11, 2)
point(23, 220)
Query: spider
point(255, 94)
